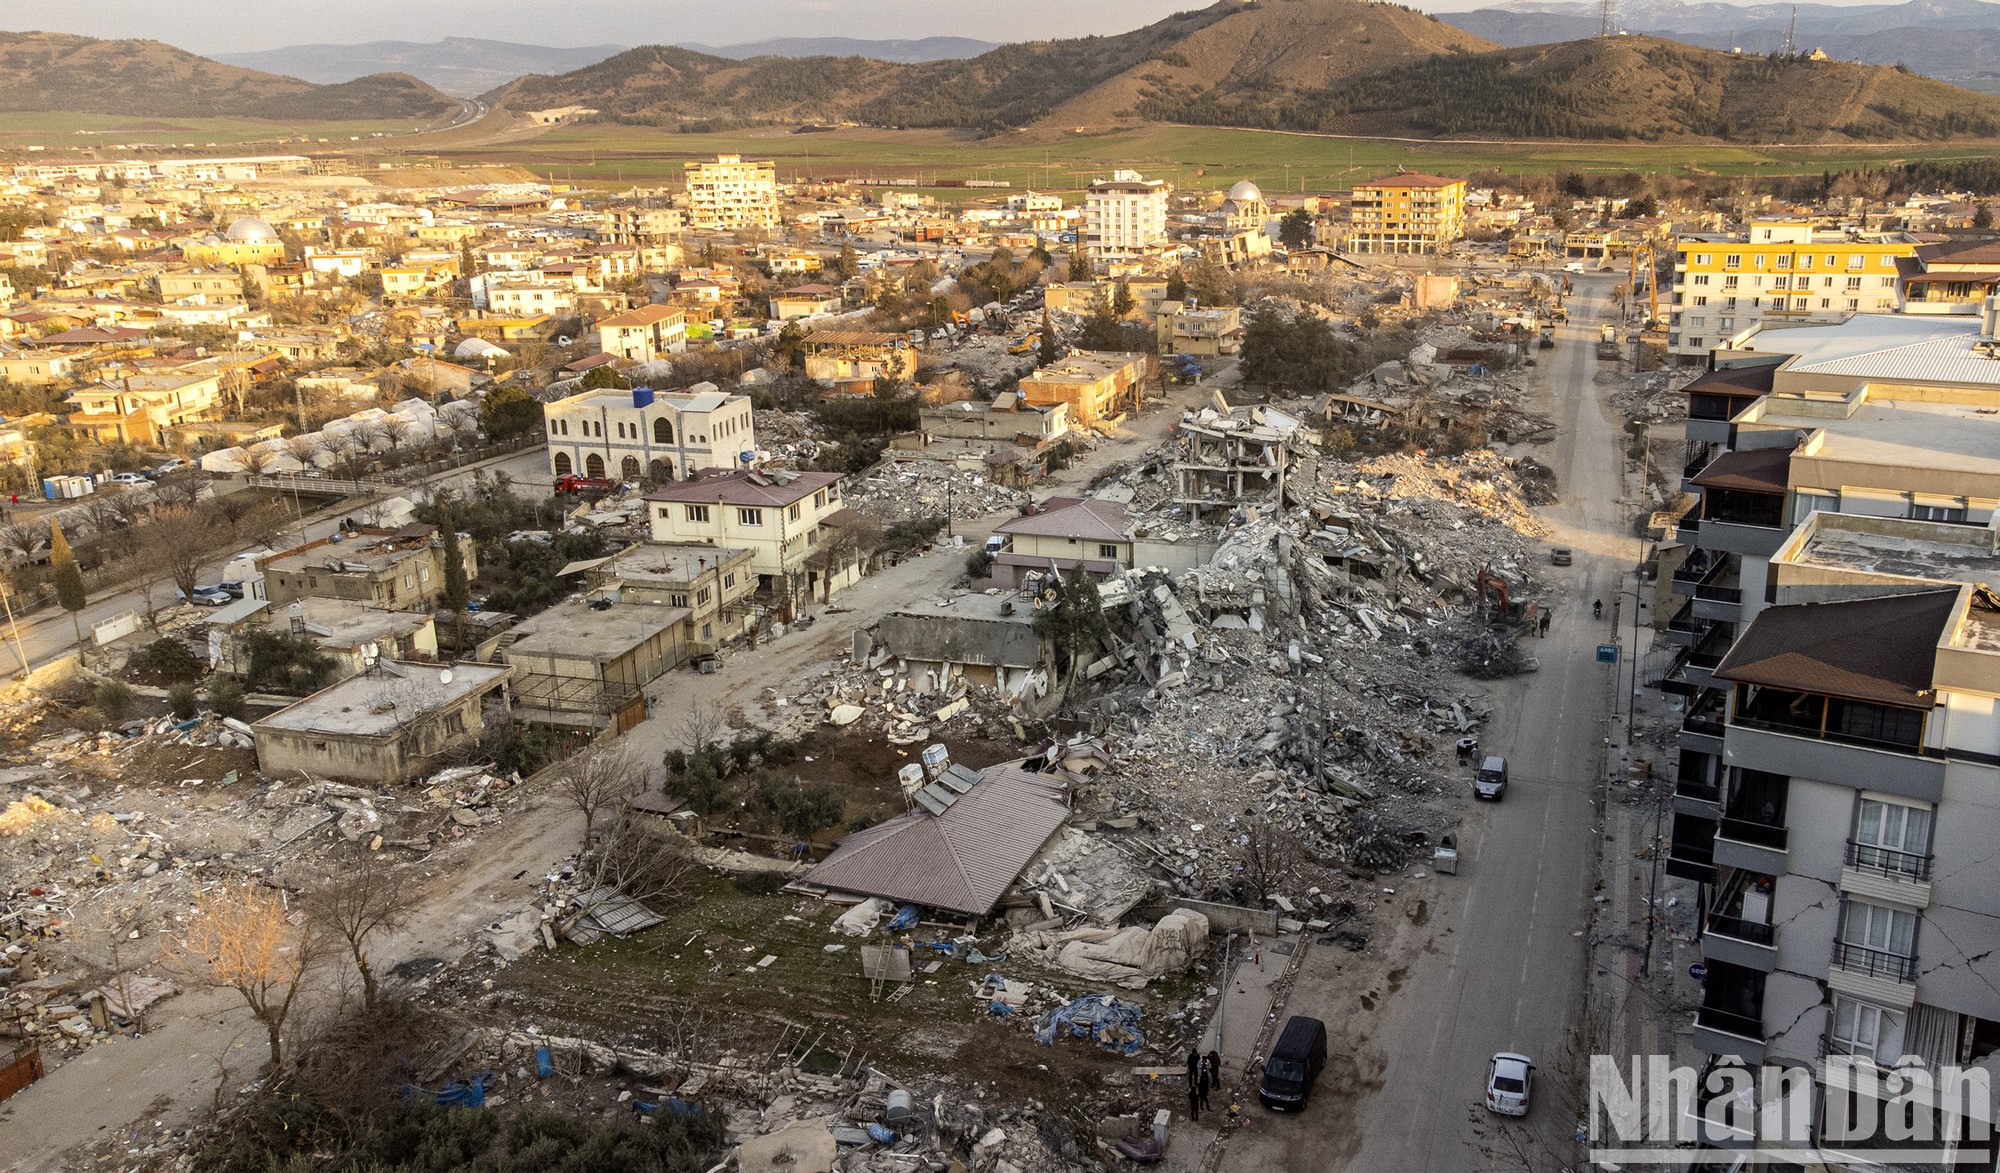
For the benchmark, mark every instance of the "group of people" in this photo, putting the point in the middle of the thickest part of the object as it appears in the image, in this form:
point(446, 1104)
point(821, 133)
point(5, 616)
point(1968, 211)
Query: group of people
point(1204, 1075)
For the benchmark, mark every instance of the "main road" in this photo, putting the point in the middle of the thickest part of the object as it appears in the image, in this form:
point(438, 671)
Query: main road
point(1492, 958)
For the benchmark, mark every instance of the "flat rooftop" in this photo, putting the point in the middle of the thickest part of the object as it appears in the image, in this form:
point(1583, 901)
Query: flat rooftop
point(669, 563)
point(973, 605)
point(339, 623)
point(1931, 551)
point(576, 631)
point(1958, 437)
point(390, 695)
point(1897, 348)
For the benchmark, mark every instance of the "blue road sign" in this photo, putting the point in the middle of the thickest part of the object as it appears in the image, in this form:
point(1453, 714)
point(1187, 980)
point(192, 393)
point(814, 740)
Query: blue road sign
point(1607, 653)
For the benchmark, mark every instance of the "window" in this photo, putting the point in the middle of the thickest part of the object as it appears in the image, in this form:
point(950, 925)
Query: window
point(1879, 928)
point(454, 723)
point(1780, 282)
point(1729, 303)
point(677, 600)
point(1784, 262)
point(1953, 513)
point(1728, 324)
point(1729, 282)
point(792, 513)
point(1701, 301)
point(707, 630)
point(1702, 258)
point(1805, 262)
point(663, 432)
point(1733, 261)
point(1892, 837)
point(1854, 262)
point(750, 517)
point(1854, 282)
point(1106, 550)
point(1757, 261)
point(1694, 343)
point(698, 514)
point(1863, 1030)
point(1701, 278)
point(729, 580)
point(701, 596)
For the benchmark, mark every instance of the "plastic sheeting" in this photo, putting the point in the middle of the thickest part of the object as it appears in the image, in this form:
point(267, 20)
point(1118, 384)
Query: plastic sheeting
point(861, 920)
point(1128, 956)
point(905, 919)
point(1110, 1022)
point(459, 1093)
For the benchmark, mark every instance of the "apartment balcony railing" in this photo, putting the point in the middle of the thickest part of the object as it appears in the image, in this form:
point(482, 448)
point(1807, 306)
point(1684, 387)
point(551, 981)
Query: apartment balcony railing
point(1817, 734)
point(1888, 861)
point(1739, 1025)
point(1754, 932)
point(1876, 963)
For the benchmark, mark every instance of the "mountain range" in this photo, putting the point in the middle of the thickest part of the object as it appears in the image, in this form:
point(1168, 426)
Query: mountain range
point(83, 75)
point(466, 67)
point(1952, 40)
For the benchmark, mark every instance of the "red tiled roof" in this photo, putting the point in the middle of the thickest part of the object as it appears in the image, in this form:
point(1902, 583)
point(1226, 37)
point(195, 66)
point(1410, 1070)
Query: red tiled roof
point(739, 488)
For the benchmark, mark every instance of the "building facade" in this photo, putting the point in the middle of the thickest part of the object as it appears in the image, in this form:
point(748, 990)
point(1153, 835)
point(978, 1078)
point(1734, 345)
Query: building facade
point(791, 522)
point(1779, 271)
point(730, 195)
point(1405, 213)
point(644, 334)
point(1126, 213)
point(642, 434)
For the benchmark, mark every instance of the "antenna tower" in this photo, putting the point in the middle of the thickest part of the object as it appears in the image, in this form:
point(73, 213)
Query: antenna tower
point(1610, 28)
point(1791, 33)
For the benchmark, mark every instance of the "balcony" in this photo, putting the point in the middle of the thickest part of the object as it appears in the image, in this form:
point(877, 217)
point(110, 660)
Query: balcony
point(1887, 875)
point(1731, 1018)
point(1751, 834)
point(1702, 725)
point(1684, 630)
point(1769, 739)
point(1702, 568)
point(1738, 928)
point(1887, 979)
point(1694, 667)
point(1691, 849)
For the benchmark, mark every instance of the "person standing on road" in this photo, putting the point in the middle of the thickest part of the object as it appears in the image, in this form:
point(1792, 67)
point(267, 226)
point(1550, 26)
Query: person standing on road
point(1545, 625)
point(1194, 1095)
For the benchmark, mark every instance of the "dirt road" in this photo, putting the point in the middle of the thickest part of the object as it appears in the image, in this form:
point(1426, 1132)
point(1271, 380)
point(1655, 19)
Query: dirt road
point(1486, 960)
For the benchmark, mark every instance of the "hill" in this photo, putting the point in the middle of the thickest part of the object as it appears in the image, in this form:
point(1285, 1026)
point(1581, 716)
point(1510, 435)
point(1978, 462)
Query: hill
point(922, 49)
point(463, 66)
point(1638, 88)
point(83, 75)
point(1952, 40)
point(1081, 81)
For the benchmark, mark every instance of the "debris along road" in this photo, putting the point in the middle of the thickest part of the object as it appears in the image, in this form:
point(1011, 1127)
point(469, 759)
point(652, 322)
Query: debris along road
point(1488, 959)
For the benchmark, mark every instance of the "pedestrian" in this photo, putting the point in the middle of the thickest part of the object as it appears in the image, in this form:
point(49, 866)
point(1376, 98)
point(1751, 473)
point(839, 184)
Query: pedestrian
point(1194, 1098)
point(1194, 1066)
point(1215, 1069)
point(1545, 625)
point(1203, 1085)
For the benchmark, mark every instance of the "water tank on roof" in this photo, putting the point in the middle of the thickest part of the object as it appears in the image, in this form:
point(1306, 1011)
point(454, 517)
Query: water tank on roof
point(642, 397)
point(936, 758)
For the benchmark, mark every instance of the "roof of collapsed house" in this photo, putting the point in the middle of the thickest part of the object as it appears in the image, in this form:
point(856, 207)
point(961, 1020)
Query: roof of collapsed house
point(1087, 518)
point(963, 858)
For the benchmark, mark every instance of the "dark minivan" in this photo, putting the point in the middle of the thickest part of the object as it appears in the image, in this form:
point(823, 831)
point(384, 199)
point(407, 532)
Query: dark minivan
point(1295, 1062)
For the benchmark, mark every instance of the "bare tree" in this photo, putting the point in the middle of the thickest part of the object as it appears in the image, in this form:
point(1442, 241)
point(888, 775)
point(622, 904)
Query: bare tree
point(350, 907)
point(1268, 858)
point(101, 514)
point(602, 776)
point(701, 726)
point(644, 859)
point(24, 538)
point(305, 449)
point(241, 937)
point(180, 538)
point(179, 488)
point(232, 509)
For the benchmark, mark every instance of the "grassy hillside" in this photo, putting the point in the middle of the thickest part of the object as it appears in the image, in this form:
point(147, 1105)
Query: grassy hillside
point(1630, 88)
point(663, 85)
point(82, 75)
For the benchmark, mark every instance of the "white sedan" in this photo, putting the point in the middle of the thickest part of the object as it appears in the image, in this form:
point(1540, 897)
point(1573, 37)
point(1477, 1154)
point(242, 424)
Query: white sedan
point(1510, 1080)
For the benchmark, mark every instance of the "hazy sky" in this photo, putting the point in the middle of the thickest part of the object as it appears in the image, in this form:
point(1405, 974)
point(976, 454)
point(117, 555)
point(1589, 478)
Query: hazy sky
point(225, 26)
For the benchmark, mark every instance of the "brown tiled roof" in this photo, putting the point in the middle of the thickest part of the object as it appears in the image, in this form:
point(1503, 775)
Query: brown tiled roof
point(1881, 650)
point(743, 488)
point(1759, 470)
point(1086, 519)
point(643, 316)
point(964, 859)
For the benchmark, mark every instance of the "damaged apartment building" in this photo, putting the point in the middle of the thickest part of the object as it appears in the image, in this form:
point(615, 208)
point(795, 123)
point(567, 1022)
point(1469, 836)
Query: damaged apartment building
point(1229, 457)
point(1836, 650)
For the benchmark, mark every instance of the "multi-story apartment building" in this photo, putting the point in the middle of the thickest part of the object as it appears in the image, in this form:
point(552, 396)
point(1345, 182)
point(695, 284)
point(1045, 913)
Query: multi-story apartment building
point(715, 585)
point(636, 224)
point(1405, 213)
point(1840, 661)
point(646, 435)
point(730, 195)
point(1096, 386)
point(1779, 271)
point(789, 521)
point(1126, 213)
point(1955, 277)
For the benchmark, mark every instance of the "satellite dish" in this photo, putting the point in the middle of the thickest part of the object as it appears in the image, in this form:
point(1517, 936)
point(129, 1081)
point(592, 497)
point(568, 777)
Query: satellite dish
point(444, 677)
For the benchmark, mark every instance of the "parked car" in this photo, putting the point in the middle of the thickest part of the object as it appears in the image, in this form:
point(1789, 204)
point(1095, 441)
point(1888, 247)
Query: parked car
point(206, 596)
point(170, 464)
point(1562, 556)
point(1510, 1080)
point(129, 478)
point(232, 587)
point(1490, 780)
point(1295, 1063)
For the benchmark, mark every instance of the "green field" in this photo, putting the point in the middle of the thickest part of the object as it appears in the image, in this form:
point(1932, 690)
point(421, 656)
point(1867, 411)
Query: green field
point(124, 131)
point(609, 155)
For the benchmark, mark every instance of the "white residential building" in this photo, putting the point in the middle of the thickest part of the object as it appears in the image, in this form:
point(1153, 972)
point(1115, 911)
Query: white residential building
point(730, 194)
point(1125, 213)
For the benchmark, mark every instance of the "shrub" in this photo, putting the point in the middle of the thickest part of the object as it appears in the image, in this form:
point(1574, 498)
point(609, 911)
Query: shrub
point(181, 701)
point(225, 697)
point(169, 659)
point(114, 698)
point(978, 564)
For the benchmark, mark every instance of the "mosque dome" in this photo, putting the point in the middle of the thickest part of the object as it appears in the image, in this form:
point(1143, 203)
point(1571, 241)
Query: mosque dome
point(1244, 192)
point(250, 230)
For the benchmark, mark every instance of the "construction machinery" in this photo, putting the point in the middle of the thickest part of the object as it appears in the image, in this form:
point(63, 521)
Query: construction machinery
point(1644, 268)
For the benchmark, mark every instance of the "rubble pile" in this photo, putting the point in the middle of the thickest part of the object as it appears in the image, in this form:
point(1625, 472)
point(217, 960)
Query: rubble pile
point(905, 490)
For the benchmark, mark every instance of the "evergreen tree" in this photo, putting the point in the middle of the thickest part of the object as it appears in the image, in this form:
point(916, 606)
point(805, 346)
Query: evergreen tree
point(1176, 285)
point(1051, 349)
point(848, 265)
point(1296, 229)
point(1122, 304)
point(1079, 265)
point(69, 579)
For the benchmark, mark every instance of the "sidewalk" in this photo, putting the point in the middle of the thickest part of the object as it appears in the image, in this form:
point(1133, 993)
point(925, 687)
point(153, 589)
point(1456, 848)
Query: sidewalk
point(1260, 970)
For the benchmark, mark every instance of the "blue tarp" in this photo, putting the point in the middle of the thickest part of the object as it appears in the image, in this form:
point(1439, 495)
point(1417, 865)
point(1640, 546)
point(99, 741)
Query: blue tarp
point(881, 1134)
point(469, 1093)
point(1113, 1024)
point(905, 918)
point(544, 1065)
